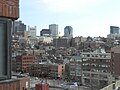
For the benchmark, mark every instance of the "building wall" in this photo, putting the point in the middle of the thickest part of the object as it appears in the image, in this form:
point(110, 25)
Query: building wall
point(54, 30)
point(4, 9)
point(45, 32)
point(41, 87)
point(61, 70)
point(26, 61)
point(33, 40)
point(47, 70)
point(5, 48)
point(19, 26)
point(45, 39)
point(10, 85)
point(115, 61)
point(62, 42)
point(15, 84)
point(77, 41)
point(116, 64)
point(113, 36)
point(75, 71)
point(22, 62)
point(68, 31)
point(22, 42)
point(39, 70)
point(96, 68)
point(114, 30)
point(24, 83)
point(13, 64)
point(32, 31)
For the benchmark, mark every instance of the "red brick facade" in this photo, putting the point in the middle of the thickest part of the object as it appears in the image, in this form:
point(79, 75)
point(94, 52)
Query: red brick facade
point(115, 63)
point(15, 84)
point(23, 62)
point(9, 8)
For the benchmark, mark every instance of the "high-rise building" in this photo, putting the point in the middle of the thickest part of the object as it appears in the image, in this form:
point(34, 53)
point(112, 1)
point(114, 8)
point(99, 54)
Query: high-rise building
point(45, 32)
point(32, 31)
point(19, 26)
point(68, 31)
point(54, 30)
point(114, 30)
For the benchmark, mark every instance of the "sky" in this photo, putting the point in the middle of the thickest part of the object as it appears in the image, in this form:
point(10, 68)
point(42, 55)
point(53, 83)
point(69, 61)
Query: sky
point(87, 17)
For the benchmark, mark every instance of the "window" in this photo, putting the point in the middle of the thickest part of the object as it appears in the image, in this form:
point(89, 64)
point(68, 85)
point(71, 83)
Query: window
point(3, 50)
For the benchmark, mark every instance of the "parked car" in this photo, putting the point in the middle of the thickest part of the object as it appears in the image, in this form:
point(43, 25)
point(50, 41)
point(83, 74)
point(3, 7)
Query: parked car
point(117, 88)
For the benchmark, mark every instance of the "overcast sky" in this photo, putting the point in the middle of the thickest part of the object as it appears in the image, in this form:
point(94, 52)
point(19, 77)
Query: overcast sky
point(87, 17)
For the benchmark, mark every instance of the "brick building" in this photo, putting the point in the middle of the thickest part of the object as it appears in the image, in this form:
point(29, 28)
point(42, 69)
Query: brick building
point(15, 84)
point(115, 61)
point(22, 62)
point(47, 70)
point(6, 5)
point(62, 42)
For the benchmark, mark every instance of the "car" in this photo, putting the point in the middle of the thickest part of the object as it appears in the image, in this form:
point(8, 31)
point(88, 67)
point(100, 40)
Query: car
point(78, 83)
point(36, 78)
point(117, 88)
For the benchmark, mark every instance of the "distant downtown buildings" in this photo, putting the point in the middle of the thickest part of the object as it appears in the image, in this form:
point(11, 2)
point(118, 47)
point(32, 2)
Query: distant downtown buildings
point(19, 26)
point(32, 31)
point(53, 31)
point(20, 30)
point(68, 31)
point(45, 32)
point(114, 30)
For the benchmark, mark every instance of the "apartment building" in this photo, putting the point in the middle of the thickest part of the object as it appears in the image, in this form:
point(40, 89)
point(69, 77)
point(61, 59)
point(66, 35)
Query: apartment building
point(47, 70)
point(23, 62)
point(115, 61)
point(15, 84)
point(96, 68)
point(75, 68)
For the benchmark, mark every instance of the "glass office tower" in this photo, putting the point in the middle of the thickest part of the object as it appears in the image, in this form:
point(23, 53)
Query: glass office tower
point(114, 30)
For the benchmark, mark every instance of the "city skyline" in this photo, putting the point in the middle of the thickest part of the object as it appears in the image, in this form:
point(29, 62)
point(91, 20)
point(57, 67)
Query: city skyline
point(89, 18)
point(86, 60)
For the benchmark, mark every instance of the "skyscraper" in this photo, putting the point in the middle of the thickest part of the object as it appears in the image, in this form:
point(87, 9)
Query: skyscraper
point(68, 31)
point(19, 26)
point(114, 30)
point(32, 31)
point(45, 32)
point(54, 30)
